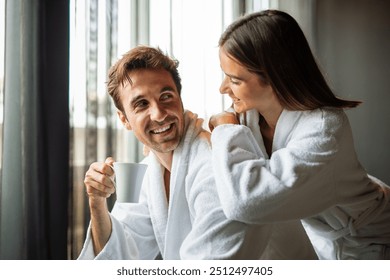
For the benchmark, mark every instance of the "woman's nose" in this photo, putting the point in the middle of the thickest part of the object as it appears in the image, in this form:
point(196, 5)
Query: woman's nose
point(223, 89)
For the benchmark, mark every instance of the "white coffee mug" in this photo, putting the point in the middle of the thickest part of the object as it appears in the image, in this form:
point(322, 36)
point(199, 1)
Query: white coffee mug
point(128, 179)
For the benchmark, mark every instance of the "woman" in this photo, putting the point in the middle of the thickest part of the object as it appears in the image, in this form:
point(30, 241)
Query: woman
point(286, 152)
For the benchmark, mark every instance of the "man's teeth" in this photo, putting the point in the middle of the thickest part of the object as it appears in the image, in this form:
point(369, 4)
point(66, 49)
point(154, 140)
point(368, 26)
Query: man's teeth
point(160, 130)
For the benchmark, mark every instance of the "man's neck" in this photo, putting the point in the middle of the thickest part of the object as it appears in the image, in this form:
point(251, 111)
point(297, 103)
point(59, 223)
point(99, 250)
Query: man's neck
point(165, 159)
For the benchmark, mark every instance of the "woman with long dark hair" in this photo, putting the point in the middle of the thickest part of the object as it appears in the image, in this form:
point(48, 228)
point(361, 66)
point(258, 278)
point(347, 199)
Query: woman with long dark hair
point(285, 151)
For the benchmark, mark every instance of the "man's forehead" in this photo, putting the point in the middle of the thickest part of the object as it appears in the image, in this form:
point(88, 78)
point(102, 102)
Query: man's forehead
point(147, 81)
point(146, 77)
point(148, 71)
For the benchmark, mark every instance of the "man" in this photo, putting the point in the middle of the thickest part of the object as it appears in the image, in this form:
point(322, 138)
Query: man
point(179, 214)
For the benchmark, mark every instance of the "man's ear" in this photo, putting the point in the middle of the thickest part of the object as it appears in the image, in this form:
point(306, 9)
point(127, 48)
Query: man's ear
point(124, 120)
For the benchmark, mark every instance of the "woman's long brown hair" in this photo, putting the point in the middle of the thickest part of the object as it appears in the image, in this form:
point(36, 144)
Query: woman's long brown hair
point(272, 45)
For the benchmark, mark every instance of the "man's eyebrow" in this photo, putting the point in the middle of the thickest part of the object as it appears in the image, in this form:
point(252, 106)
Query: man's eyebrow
point(167, 88)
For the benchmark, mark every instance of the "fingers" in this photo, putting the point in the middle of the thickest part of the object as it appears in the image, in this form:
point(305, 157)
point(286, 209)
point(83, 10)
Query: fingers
point(212, 123)
point(104, 168)
point(108, 168)
point(222, 118)
point(98, 179)
point(110, 161)
point(98, 184)
point(95, 193)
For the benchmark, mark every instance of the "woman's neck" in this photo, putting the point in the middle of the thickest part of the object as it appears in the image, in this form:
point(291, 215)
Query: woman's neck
point(271, 117)
point(267, 123)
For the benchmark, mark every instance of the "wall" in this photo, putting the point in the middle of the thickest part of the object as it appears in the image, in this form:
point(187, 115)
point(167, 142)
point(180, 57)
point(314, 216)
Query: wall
point(351, 39)
point(353, 42)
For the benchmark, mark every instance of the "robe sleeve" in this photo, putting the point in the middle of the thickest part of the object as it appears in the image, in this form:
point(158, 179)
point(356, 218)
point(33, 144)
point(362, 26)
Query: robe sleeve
point(296, 182)
point(132, 235)
point(213, 236)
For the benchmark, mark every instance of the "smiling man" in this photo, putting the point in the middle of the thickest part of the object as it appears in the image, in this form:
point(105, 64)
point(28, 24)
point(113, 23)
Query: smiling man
point(179, 215)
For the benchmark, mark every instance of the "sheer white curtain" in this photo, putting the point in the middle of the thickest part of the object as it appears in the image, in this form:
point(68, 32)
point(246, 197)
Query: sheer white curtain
point(190, 34)
point(93, 126)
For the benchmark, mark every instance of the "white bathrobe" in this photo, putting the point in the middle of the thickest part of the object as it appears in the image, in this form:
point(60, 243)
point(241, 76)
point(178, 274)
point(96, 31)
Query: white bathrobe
point(313, 174)
point(192, 225)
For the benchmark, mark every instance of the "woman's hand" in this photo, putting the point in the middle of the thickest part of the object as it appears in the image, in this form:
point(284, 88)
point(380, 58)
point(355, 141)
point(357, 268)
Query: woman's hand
point(222, 118)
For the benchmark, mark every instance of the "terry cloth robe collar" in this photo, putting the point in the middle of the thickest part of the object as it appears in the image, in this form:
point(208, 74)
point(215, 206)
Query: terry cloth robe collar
point(157, 203)
point(170, 247)
point(286, 122)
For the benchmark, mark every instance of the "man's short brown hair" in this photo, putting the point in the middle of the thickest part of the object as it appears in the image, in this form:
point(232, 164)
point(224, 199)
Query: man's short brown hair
point(141, 57)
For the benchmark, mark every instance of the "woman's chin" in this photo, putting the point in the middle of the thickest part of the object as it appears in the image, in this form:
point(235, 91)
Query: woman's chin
point(239, 109)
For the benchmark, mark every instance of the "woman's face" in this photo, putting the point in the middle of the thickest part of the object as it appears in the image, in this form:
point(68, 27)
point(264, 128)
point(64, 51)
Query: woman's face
point(245, 88)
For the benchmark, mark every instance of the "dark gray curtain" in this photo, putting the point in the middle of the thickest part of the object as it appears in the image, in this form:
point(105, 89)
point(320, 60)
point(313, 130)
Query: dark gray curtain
point(35, 174)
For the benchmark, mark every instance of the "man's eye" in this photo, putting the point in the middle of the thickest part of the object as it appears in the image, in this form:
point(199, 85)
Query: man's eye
point(166, 96)
point(141, 104)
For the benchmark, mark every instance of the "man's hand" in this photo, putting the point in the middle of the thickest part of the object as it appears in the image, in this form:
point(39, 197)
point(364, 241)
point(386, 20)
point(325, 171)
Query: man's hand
point(222, 118)
point(99, 181)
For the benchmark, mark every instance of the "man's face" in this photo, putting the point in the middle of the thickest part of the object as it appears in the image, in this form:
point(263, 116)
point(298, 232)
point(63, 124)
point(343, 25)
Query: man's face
point(153, 109)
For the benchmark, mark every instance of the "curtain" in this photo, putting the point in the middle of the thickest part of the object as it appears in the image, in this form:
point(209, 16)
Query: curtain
point(34, 182)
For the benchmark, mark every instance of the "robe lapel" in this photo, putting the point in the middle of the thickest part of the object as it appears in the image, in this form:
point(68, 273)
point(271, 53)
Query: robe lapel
point(251, 120)
point(179, 220)
point(158, 205)
point(284, 127)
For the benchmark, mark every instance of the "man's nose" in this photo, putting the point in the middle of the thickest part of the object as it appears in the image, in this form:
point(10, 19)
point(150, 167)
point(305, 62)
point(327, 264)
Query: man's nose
point(158, 113)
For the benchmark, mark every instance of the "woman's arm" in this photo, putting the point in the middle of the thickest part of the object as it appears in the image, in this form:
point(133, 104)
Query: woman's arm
point(294, 183)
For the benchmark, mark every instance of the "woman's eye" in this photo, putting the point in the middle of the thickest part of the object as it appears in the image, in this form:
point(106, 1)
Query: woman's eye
point(234, 81)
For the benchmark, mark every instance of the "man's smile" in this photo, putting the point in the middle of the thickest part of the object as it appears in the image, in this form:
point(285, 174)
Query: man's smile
point(161, 129)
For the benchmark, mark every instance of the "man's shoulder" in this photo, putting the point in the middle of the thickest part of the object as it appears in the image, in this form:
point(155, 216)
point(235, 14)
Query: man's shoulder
point(197, 143)
point(196, 134)
point(201, 144)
